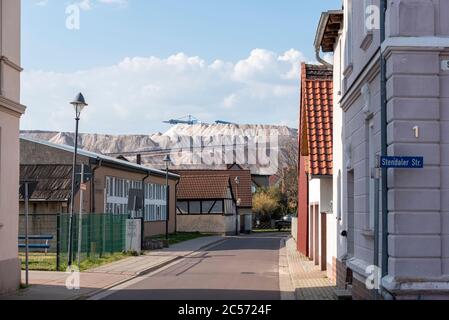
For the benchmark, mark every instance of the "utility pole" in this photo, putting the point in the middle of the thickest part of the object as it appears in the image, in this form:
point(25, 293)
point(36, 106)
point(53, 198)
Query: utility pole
point(26, 234)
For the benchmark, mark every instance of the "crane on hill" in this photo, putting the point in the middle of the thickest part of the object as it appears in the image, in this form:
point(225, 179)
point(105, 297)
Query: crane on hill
point(189, 119)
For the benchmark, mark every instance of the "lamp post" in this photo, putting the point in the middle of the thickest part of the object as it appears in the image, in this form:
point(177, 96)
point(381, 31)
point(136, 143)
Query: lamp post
point(237, 182)
point(167, 161)
point(79, 104)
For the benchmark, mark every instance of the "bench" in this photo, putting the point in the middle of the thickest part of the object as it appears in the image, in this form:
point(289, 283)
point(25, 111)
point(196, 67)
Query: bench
point(45, 238)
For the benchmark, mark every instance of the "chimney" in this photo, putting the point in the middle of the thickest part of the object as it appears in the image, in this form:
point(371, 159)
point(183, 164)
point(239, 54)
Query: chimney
point(139, 159)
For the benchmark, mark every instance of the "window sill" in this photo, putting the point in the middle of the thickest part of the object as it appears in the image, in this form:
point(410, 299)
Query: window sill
point(368, 234)
point(348, 70)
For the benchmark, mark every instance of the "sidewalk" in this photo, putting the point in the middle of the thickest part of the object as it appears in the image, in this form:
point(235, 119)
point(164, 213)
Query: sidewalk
point(309, 281)
point(51, 285)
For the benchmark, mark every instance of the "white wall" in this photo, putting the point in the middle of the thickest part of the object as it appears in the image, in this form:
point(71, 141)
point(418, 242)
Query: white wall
point(294, 230)
point(10, 112)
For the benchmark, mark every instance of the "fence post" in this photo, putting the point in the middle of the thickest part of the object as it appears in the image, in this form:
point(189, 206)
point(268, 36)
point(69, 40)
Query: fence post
point(111, 227)
point(89, 234)
point(102, 235)
point(58, 244)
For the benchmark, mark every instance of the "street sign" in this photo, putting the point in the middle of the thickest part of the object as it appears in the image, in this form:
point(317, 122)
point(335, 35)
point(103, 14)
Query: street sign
point(402, 162)
point(83, 187)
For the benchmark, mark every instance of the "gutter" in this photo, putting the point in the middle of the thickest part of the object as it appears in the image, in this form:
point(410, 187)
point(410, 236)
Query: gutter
point(384, 293)
point(176, 206)
point(142, 220)
point(319, 35)
point(92, 185)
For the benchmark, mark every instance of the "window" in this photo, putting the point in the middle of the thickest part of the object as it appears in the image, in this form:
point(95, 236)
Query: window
point(371, 165)
point(207, 206)
point(183, 207)
point(348, 25)
point(218, 208)
point(195, 207)
point(155, 202)
point(117, 193)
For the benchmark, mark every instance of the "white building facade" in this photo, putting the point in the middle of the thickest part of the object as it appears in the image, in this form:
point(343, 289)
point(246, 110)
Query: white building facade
point(10, 113)
point(416, 50)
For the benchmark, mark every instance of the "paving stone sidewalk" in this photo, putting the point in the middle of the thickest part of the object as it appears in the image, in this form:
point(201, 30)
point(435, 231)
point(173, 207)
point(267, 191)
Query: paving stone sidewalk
point(309, 281)
point(52, 285)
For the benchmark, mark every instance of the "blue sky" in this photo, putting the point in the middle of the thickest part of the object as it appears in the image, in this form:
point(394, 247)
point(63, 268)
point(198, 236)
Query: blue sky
point(260, 43)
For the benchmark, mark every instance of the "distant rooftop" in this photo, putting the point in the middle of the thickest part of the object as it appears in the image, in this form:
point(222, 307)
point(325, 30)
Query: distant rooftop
point(103, 158)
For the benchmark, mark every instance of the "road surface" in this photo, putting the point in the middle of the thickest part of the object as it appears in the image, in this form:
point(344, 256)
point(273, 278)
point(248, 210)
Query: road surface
point(240, 268)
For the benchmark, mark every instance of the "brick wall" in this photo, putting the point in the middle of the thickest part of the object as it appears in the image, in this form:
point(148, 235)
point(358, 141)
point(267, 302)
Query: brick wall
point(360, 292)
point(341, 273)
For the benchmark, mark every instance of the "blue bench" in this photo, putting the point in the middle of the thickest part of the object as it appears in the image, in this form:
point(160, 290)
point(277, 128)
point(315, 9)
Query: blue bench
point(45, 238)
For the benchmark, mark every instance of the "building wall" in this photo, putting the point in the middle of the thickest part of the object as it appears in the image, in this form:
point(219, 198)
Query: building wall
point(336, 249)
point(417, 94)
point(206, 224)
point(294, 231)
point(320, 201)
point(10, 112)
point(34, 153)
point(303, 208)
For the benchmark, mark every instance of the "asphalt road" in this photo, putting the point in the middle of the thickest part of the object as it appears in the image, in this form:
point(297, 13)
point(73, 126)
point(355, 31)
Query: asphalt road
point(241, 268)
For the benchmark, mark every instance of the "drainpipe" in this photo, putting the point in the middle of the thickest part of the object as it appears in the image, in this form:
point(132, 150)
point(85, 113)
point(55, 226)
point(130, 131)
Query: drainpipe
point(321, 60)
point(176, 206)
point(142, 220)
point(92, 185)
point(384, 142)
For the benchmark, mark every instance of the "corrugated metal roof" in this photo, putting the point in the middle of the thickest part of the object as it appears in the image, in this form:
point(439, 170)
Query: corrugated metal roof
point(98, 156)
point(54, 182)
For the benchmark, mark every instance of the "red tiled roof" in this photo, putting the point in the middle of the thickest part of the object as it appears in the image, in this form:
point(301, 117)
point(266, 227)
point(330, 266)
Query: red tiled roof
point(203, 187)
point(243, 192)
point(316, 118)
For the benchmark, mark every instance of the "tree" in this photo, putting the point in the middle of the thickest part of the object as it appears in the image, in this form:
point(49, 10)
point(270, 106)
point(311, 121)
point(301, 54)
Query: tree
point(265, 204)
point(270, 203)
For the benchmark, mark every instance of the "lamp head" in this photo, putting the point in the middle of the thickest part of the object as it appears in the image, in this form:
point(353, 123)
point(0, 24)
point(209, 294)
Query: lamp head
point(79, 104)
point(167, 160)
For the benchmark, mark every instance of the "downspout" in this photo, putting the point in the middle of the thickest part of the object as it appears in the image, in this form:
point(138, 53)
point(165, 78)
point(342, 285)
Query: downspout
point(142, 220)
point(383, 112)
point(92, 185)
point(321, 60)
point(384, 141)
point(176, 206)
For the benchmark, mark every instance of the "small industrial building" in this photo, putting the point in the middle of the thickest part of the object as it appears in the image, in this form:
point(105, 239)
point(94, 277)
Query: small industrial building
point(110, 181)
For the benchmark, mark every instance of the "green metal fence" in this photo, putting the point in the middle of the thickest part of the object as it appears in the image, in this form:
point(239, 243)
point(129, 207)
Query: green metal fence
point(102, 235)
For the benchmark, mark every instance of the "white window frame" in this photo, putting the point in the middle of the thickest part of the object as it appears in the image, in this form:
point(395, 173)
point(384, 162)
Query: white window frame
point(155, 201)
point(348, 27)
point(371, 165)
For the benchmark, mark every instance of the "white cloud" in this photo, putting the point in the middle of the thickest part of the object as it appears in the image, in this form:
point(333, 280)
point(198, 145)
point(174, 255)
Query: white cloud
point(137, 94)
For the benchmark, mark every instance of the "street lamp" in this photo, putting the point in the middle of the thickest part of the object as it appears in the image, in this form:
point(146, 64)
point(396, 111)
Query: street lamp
point(237, 182)
point(79, 104)
point(167, 161)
